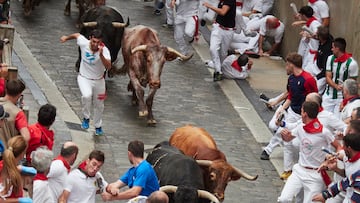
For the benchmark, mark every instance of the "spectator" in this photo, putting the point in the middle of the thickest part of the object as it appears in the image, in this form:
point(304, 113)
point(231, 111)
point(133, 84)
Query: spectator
point(351, 99)
point(308, 44)
point(339, 67)
point(41, 160)
point(350, 160)
point(222, 33)
point(158, 197)
point(300, 83)
point(324, 51)
point(141, 178)
point(84, 182)
point(40, 133)
point(312, 136)
point(17, 122)
point(321, 11)
point(11, 181)
point(60, 168)
point(235, 67)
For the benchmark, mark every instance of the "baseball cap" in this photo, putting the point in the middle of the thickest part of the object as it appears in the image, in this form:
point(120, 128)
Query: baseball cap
point(3, 114)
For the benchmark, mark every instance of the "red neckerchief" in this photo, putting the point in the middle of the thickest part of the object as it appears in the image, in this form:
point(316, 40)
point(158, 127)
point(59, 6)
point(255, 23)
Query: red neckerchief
point(277, 24)
point(236, 66)
point(313, 127)
point(239, 4)
point(312, 1)
point(66, 164)
point(40, 176)
point(343, 57)
point(345, 101)
point(321, 109)
point(310, 20)
point(354, 158)
point(82, 168)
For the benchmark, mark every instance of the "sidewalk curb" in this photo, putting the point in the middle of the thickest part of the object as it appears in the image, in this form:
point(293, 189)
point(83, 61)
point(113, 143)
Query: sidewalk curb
point(53, 95)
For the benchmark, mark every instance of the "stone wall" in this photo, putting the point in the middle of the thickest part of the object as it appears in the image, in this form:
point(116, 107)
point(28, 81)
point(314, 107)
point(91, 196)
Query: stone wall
point(344, 22)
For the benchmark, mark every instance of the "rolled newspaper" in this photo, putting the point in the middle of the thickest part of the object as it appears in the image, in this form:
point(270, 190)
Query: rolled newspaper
point(293, 6)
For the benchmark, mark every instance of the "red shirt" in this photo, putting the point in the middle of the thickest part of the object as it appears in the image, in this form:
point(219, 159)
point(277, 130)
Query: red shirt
point(39, 136)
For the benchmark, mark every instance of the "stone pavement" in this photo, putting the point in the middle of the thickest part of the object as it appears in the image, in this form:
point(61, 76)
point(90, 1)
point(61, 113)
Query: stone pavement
point(187, 95)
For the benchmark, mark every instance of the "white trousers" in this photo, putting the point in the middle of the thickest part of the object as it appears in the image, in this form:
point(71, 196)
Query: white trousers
point(92, 92)
point(169, 13)
point(332, 105)
point(219, 44)
point(301, 178)
point(291, 149)
point(183, 32)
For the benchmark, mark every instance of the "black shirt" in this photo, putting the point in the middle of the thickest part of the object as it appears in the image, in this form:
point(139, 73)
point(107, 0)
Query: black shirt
point(324, 51)
point(228, 20)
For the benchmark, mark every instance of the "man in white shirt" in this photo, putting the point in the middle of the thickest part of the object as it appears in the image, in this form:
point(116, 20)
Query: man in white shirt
point(60, 168)
point(95, 59)
point(84, 182)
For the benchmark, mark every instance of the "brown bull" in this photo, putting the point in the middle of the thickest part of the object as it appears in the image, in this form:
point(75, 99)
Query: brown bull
point(199, 144)
point(144, 58)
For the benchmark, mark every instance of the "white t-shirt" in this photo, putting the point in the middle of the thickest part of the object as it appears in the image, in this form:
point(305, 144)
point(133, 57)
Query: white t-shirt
point(82, 188)
point(310, 154)
point(352, 73)
point(276, 33)
point(331, 122)
point(321, 10)
point(56, 178)
point(91, 66)
point(230, 72)
point(42, 193)
point(347, 110)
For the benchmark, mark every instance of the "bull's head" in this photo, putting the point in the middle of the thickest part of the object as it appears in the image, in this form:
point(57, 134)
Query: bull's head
point(219, 173)
point(188, 194)
point(156, 55)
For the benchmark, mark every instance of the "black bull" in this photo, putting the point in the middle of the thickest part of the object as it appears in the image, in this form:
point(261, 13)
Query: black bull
point(111, 24)
point(179, 175)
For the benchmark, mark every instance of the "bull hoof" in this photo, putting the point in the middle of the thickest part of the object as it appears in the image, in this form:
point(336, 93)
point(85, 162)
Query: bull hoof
point(151, 122)
point(143, 113)
point(134, 103)
point(27, 13)
point(66, 13)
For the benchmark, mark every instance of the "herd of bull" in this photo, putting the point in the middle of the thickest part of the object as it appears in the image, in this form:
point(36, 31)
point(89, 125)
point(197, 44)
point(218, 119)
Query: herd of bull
point(202, 171)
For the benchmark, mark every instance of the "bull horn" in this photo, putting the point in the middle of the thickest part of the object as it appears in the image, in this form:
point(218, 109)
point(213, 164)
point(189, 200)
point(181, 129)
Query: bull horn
point(121, 25)
point(90, 24)
point(207, 195)
point(139, 48)
point(168, 188)
point(204, 162)
point(245, 175)
point(183, 57)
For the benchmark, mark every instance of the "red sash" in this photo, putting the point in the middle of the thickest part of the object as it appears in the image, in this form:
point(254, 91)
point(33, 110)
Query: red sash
point(236, 66)
point(196, 34)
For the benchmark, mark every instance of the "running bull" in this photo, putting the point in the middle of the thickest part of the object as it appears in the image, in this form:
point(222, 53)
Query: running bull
point(111, 24)
point(144, 58)
point(179, 175)
point(199, 144)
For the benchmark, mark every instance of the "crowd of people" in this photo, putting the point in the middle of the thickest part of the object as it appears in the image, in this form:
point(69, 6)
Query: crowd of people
point(317, 119)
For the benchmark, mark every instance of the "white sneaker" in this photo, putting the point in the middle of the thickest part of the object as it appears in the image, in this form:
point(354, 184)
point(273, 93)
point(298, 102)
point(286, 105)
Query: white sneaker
point(210, 63)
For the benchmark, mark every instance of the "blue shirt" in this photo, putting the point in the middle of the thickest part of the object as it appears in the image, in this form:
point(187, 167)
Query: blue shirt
point(142, 176)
